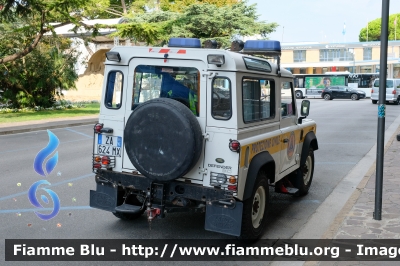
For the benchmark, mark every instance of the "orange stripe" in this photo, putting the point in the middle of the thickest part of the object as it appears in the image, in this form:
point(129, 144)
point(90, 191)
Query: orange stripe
point(164, 51)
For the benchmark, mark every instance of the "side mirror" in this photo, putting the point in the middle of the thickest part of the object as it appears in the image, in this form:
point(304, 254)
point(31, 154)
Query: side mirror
point(304, 110)
point(305, 107)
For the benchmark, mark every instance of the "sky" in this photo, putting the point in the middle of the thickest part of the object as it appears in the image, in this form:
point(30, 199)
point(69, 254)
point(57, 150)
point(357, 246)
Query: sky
point(320, 20)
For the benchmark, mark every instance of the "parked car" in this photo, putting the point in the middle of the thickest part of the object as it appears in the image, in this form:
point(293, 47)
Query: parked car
point(342, 92)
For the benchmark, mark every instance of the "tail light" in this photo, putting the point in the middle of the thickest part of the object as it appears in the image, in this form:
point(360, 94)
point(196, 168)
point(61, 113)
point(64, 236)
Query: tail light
point(234, 145)
point(372, 90)
point(394, 92)
point(97, 165)
point(233, 188)
point(105, 160)
point(98, 127)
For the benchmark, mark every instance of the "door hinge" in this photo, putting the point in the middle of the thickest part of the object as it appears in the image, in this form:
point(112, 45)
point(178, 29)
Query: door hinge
point(206, 136)
point(210, 75)
point(203, 171)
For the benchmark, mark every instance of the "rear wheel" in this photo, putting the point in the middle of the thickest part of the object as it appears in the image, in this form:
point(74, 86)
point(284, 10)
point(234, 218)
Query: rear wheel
point(302, 177)
point(374, 101)
point(327, 97)
point(397, 102)
point(354, 97)
point(255, 209)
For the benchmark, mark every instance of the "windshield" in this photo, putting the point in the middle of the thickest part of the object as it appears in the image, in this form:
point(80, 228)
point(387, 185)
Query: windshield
point(389, 83)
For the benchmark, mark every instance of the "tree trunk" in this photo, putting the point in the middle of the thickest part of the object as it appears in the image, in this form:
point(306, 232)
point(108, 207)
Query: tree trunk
point(123, 6)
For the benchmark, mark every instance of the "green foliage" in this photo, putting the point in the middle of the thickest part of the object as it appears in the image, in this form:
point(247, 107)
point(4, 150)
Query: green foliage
point(374, 29)
point(202, 21)
point(179, 5)
point(33, 80)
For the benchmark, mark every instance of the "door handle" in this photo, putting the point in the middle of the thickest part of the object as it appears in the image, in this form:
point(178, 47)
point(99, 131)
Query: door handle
point(285, 140)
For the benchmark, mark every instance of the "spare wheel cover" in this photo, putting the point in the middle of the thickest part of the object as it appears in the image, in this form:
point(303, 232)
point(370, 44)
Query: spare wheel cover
point(163, 139)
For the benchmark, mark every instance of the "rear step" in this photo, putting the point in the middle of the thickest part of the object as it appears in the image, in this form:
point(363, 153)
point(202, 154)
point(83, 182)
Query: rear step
point(128, 208)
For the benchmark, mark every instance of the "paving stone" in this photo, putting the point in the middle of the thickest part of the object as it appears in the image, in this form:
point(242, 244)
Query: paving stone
point(353, 222)
point(392, 229)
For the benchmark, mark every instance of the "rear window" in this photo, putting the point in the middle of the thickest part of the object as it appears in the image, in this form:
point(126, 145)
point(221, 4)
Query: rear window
point(389, 83)
point(178, 83)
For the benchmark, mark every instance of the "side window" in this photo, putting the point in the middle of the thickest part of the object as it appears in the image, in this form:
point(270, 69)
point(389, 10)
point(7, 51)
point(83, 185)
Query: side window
point(258, 99)
point(287, 102)
point(221, 99)
point(113, 97)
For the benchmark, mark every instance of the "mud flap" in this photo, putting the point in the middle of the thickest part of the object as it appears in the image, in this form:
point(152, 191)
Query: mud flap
point(104, 198)
point(224, 217)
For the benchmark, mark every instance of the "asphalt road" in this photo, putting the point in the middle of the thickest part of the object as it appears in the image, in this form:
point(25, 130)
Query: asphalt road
point(346, 131)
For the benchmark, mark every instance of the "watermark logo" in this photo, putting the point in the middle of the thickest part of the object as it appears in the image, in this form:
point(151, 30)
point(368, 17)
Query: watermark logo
point(44, 169)
point(44, 153)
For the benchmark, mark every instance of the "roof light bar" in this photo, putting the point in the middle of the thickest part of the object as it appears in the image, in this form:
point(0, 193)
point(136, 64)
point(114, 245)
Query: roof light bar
point(184, 42)
point(262, 47)
point(113, 56)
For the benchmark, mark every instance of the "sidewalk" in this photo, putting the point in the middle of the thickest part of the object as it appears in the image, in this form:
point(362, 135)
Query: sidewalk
point(355, 221)
point(20, 127)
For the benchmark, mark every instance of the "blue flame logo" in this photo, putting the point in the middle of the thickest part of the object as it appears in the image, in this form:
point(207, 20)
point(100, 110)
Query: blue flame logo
point(49, 166)
point(36, 203)
point(46, 151)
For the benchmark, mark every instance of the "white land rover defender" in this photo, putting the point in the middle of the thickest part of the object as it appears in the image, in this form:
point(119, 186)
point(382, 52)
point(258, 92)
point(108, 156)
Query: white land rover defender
point(190, 129)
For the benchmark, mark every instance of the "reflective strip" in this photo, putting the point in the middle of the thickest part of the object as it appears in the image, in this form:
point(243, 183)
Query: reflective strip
point(167, 50)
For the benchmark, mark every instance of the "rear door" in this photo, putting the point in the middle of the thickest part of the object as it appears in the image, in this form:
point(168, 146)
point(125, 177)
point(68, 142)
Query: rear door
point(335, 91)
point(151, 78)
point(112, 113)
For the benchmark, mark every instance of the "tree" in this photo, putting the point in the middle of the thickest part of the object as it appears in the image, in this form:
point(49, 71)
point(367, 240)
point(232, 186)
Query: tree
point(204, 21)
point(373, 33)
point(33, 80)
point(179, 5)
point(35, 18)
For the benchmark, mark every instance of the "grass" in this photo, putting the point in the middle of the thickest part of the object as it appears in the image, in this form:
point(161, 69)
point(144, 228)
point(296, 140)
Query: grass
point(90, 109)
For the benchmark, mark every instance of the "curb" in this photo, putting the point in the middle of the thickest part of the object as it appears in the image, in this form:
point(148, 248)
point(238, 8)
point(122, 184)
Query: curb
point(44, 126)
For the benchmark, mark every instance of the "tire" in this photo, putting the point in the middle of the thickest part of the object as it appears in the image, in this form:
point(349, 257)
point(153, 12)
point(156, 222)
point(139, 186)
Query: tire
point(128, 216)
point(327, 97)
point(374, 101)
point(302, 177)
point(163, 139)
point(299, 94)
point(255, 209)
point(354, 97)
point(397, 102)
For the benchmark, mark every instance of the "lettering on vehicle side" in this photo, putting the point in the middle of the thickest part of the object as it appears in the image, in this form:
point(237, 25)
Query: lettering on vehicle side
point(219, 166)
point(264, 144)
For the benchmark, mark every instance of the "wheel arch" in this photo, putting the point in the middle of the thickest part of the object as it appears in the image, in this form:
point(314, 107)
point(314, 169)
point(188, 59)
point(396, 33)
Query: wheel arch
point(261, 162)
point(310, 140)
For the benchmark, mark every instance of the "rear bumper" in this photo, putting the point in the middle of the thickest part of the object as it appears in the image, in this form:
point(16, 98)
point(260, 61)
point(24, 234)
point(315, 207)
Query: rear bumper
point(223, 212)
point(389, 97)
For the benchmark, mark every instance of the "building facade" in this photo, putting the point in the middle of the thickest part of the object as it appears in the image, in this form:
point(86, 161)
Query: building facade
point(360, 57)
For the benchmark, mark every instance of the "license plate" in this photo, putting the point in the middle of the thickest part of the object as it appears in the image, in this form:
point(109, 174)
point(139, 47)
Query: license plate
point(109, 145)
